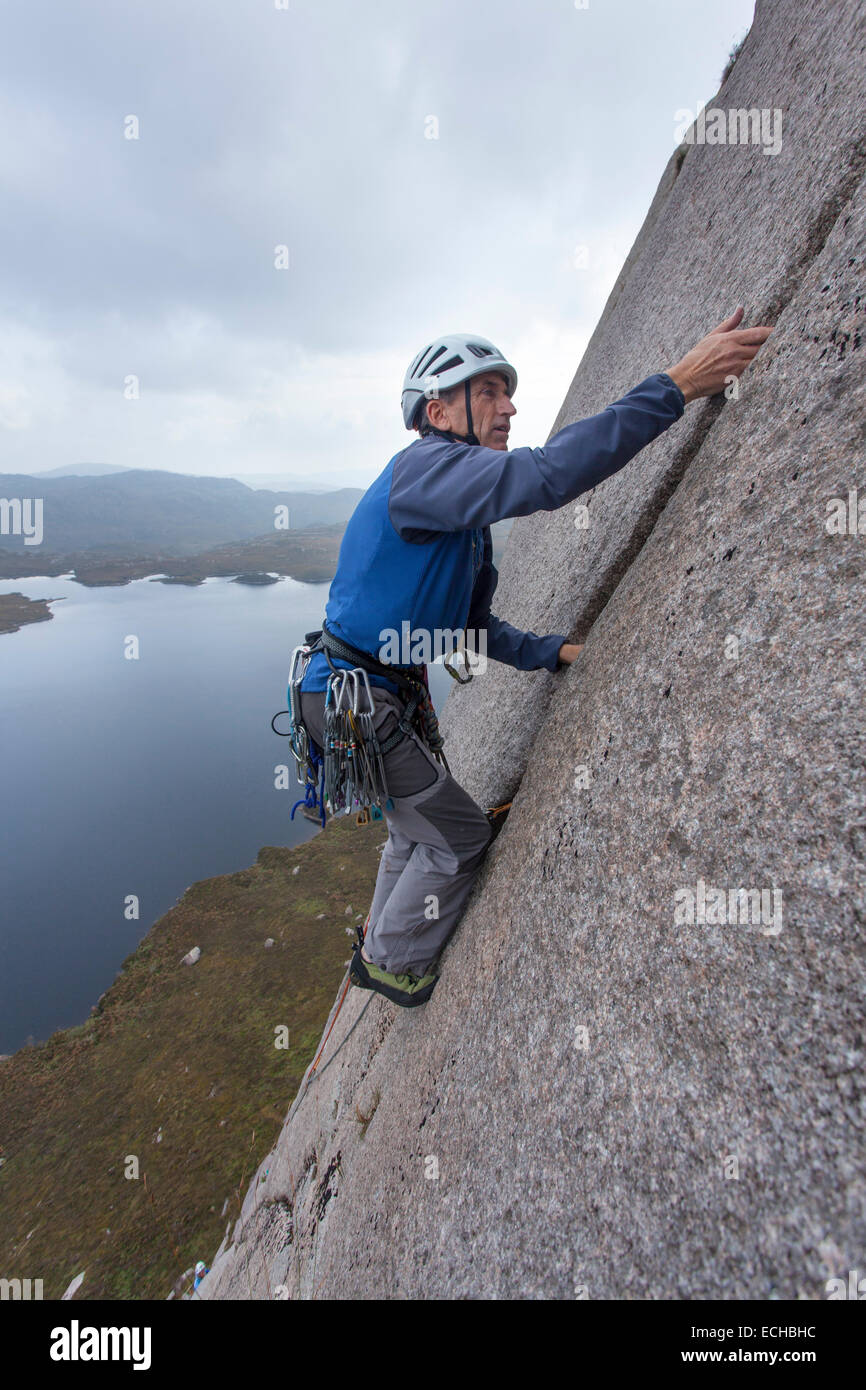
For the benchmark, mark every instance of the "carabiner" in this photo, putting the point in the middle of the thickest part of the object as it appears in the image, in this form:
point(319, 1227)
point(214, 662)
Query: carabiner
point(461, 680)
point(361, 675)
point(339, 685)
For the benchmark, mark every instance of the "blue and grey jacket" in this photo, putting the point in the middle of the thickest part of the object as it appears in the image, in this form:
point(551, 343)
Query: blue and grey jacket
point(417, 548)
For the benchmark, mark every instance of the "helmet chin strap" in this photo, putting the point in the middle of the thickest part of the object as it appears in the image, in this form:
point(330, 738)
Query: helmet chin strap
point(470, 437)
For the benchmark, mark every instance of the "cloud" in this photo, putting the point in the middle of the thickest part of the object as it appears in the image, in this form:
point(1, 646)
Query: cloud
point(308, 127)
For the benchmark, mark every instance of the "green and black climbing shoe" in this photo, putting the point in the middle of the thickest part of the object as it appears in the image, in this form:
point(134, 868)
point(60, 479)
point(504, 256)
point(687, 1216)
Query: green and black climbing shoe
point(406, 990)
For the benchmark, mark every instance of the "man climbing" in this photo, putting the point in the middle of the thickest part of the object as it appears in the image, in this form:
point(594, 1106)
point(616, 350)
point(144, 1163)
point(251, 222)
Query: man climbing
point(417, 552)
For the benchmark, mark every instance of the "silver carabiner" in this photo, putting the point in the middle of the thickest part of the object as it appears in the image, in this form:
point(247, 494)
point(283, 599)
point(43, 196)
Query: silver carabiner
point(339, 684)
point(352, 676)
point(361, 675)
point(300, 654)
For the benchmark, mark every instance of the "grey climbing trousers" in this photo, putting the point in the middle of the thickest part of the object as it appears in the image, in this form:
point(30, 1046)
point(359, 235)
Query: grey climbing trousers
point(437, 839)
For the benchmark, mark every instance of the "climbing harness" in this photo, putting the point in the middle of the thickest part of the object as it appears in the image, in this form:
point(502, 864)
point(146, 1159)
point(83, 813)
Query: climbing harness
point(349, 772)
point(412, 681)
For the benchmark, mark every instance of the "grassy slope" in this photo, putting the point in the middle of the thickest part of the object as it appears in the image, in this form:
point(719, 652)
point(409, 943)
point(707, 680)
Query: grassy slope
point(187, 1048)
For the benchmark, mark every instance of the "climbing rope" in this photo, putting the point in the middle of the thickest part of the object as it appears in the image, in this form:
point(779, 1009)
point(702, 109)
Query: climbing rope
point(336, 1014)
point(497, 815)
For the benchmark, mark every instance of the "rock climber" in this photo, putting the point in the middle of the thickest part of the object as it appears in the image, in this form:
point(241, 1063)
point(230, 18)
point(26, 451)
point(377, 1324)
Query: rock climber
point(417, 550)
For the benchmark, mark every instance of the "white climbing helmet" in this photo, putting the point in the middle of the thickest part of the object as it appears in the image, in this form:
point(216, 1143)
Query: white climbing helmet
point(445, 363)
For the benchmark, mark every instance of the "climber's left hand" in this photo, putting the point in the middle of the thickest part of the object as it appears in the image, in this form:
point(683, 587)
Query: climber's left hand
point(568, 652)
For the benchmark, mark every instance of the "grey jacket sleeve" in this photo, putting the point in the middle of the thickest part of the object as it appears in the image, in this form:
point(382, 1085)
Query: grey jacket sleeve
point(443, 485)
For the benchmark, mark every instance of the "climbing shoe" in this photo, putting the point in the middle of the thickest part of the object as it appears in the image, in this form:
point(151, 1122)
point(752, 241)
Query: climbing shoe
point(406, 990)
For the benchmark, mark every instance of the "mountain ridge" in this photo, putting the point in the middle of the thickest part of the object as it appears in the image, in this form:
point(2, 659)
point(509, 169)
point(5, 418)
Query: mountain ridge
point(178, 513)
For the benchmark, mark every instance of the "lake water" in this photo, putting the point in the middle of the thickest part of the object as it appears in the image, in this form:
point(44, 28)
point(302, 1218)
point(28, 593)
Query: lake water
point(134, 776)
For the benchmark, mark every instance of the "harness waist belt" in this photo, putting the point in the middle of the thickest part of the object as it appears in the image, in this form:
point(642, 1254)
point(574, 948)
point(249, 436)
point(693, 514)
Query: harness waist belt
point(333, 645)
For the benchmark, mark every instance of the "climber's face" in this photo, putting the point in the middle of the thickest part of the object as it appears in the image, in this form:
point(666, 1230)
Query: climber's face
point(491, 410)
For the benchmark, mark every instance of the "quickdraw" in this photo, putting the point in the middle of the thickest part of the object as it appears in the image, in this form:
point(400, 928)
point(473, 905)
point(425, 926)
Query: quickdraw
point(354, 771)
point(452, 670)
point(412, 682)
point(349, 772)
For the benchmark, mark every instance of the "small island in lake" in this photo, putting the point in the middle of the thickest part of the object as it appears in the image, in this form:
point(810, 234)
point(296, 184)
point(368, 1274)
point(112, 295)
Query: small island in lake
point(16, 610)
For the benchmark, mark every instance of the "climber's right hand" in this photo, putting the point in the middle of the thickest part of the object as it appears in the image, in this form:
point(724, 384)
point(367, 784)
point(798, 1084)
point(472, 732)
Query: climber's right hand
point(724, 353)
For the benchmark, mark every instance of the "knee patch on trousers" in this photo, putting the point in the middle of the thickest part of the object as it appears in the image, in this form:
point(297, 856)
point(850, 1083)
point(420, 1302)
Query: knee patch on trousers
point(458, 821)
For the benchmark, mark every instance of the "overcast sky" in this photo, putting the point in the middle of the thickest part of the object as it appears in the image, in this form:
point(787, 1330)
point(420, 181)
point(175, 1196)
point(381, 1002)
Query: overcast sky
point(309, 126)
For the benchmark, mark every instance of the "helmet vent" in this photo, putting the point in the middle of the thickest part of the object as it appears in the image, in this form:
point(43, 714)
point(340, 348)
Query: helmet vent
point(447, 366)
point(425, 364)
point(423, 353)
point(479, 350)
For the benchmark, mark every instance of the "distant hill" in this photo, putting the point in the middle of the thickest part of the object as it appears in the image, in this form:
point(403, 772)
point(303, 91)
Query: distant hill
point(81, 470)
point(117, 527)
point(174, 513)
point(292, 482)
point(269, 482)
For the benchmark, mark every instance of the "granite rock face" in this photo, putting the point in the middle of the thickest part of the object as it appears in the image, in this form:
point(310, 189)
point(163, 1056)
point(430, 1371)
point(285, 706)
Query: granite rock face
point(633, 1080)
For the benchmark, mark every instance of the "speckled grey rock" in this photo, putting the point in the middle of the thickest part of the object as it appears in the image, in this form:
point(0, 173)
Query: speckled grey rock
point(734, 225)
point(604, 1098)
